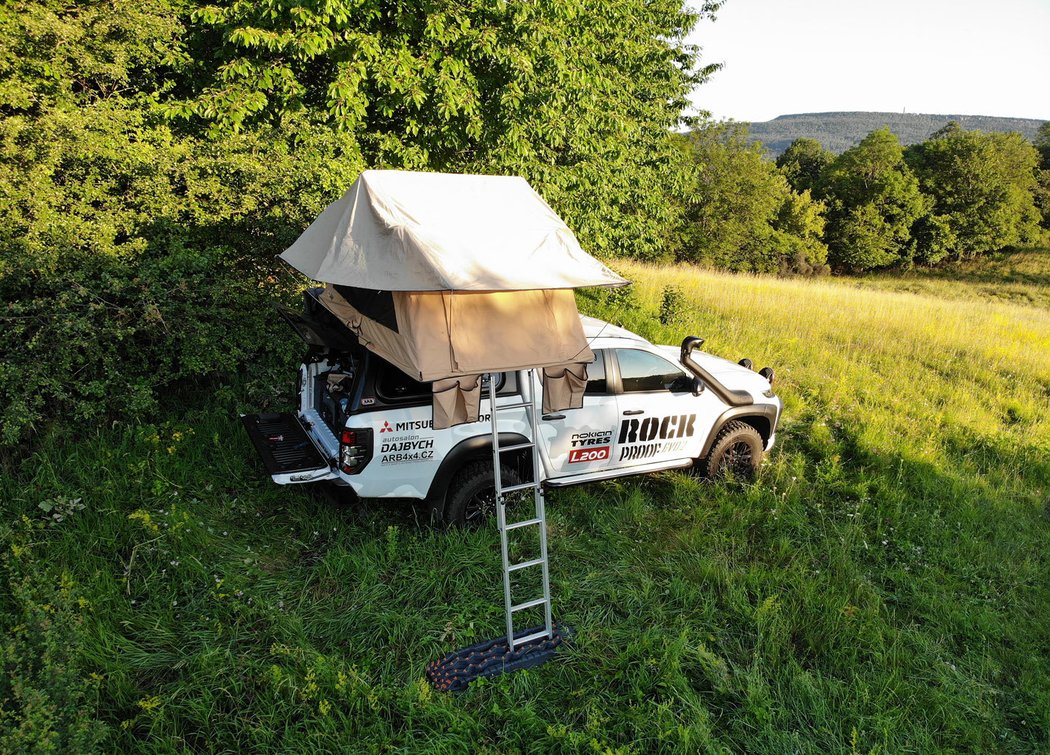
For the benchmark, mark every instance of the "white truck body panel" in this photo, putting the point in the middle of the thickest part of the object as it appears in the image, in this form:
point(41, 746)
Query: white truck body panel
point(613, 434)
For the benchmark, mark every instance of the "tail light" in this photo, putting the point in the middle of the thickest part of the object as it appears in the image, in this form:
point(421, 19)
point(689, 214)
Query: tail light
point(355, 450)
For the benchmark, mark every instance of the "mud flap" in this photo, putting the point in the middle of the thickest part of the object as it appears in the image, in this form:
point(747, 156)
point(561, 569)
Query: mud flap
point(287, 452)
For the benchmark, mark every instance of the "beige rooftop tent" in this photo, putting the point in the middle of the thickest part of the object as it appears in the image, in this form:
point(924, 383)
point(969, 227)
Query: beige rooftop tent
point(451, 276)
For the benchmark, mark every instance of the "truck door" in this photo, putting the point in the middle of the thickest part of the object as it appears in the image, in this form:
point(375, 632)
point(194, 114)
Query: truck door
point(582, 440)
point(657, 411)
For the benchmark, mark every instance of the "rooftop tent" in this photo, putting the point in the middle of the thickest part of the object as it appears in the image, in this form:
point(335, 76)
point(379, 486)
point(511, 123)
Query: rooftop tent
point(451, 276)
point(404, 231)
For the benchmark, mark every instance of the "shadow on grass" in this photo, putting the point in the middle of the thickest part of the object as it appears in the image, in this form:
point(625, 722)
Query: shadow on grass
point(845, 597)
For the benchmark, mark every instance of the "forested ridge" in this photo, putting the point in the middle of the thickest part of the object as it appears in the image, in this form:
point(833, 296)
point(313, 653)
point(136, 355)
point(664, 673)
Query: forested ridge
point(156, 156)
point(838, 131)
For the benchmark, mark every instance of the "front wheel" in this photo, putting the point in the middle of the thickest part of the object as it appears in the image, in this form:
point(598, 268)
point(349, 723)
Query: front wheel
point(472, 495)
point(736, 453)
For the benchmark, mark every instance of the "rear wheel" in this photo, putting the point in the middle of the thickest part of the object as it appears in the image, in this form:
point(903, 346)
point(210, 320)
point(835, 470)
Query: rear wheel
point(471, 498)
point(736, 453)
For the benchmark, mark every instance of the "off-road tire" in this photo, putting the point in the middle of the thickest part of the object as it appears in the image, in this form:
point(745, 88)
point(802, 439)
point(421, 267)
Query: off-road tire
point(471, 498)
point(736, 452)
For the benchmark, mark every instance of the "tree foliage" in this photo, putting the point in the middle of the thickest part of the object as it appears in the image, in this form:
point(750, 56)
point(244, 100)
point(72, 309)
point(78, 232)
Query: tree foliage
point(55, 53)
point(873, 200)
point(1042, 143)
point(128, 248)
point(803, 162)
point(742, 213)
point(156, 155)
point(577, 96)
point(982, 184)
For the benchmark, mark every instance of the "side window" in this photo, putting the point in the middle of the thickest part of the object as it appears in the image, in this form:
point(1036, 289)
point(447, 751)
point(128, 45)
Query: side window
point(642, 371)
point(394, 386)
point(596, 374)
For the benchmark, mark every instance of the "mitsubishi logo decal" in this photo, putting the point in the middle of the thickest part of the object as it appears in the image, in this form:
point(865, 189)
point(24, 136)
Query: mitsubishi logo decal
point(386, 428)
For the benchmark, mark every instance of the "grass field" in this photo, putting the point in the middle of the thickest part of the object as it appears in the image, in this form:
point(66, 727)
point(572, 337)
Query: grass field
point(881, 588)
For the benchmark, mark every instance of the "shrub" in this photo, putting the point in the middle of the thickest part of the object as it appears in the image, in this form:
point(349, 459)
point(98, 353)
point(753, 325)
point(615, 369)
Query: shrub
point(134, 257)
point(672, 306)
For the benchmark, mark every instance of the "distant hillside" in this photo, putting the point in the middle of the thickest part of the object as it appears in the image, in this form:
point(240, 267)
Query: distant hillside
point(840, 131)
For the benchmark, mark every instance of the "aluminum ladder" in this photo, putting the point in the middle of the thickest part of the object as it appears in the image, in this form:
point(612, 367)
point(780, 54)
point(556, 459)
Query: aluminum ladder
point(539, 518)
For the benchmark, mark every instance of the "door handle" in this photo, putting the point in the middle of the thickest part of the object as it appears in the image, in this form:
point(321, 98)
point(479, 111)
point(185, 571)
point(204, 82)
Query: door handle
point(554, 416)
point(630, 412)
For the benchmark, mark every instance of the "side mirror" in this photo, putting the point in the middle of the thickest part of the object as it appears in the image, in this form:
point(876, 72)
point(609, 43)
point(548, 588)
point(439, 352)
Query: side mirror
point(686, 383)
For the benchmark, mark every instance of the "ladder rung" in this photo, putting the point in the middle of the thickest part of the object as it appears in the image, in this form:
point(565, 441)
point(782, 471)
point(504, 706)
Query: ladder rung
point(523, 523)
point(528, 604)
point(531, 637)
point(522, 486)
point(515, 447)
point(519, 405)
point(525, 564)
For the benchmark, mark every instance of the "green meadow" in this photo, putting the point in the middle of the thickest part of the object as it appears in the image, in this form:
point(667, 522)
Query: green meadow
point(881, 587)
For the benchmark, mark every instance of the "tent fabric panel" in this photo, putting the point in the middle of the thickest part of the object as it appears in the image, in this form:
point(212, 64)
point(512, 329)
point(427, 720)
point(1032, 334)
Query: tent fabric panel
point(410, 231)
point(393, 347)
point(514, 330)
point(563, 387)
point(377, 305)
point(456, 401)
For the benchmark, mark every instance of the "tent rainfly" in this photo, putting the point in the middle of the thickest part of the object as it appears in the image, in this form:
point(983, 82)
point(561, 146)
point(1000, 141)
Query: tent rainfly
point(451, 276)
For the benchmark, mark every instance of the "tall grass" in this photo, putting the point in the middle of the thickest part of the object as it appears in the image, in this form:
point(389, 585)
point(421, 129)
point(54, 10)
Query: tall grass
point(882, 587)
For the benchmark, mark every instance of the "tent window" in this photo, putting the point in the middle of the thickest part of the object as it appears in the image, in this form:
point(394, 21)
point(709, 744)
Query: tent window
point(375, 305)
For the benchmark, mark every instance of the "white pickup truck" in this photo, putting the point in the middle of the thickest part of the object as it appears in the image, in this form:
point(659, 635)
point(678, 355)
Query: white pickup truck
point(364, 425)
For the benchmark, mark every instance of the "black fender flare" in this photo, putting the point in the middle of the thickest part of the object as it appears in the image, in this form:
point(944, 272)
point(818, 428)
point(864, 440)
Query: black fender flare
point(459, 455)
point(761, 416)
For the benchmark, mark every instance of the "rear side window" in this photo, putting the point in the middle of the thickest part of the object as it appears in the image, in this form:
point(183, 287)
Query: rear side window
point(395, 387)
point(596, 374)
point(642, 371)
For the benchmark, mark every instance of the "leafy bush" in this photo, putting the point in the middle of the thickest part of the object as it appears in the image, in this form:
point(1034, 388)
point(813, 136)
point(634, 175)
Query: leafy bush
point(134, 257)
point(672, 306)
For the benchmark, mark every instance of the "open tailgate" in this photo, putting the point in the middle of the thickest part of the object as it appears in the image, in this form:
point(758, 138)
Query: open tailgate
point(286, 450)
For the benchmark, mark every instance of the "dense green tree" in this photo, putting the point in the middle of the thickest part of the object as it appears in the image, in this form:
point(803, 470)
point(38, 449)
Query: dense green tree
point(803, 162)
point(982, 184)
point(1042, 143)
point(873, 200)
point(54, 52)
point(155, 155)
point(743, 215)
point(129, 248)
point(579, 97)
point(1042, 190)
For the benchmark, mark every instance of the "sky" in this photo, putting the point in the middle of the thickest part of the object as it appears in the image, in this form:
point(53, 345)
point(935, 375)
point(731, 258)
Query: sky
point(924, 56)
